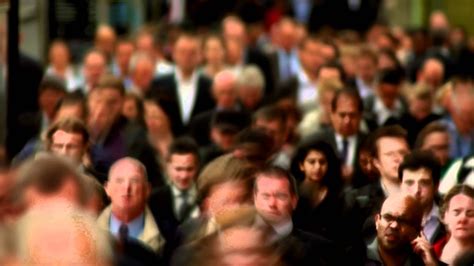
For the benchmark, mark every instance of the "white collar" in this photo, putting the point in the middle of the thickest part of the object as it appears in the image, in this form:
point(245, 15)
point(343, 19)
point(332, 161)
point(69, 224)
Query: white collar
point(380, 106)
point(177, 192)
point(340, 138)
point(181, 80)
point(304, 79)
point(283, 229)
point(434, 213)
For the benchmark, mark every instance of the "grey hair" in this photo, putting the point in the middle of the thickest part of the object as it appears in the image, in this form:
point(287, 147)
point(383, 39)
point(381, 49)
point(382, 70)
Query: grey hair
point(138, 57)
point(251, 76)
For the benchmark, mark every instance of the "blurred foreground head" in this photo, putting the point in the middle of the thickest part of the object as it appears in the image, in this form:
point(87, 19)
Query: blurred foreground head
point(60, 236)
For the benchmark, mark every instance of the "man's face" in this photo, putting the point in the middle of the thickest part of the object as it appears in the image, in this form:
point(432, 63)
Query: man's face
point(226, 196)
point(310, 57)
point(459, 217)
point(273, 199)
point(366, 68)
point(68, 144)
point(127, 188)
point(327, 73)
point(59, 55)
point(396, 226)
point(273, 128)
point(48, 100)
point(346, 118)
point(438, 143)
point(390, 154)
point(224, 93)
point(143, 74)
point(250, 97)
point(123, 54)
point(388, 93)
point(182, 169)
point(419, 184)
point(186, 53)
point(94, 68)
point(105, 106)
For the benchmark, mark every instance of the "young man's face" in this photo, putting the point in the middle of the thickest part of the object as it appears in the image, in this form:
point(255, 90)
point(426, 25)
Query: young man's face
point(273, 199)
point(182, 170)
point(391, 151)
point(68, 144)
point(419, 184)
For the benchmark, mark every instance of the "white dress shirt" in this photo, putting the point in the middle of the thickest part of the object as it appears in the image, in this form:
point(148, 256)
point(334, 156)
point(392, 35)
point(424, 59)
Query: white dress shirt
point(307, 93)
point(178, 200)
point(383, 113)
point(187, 92)
point(351, 148)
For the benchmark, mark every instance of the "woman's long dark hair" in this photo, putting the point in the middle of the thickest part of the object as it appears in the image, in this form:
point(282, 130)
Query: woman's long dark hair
point(332, 179)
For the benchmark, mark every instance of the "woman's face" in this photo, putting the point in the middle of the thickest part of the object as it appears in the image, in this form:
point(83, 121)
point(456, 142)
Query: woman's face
point(459, 217)
point(214, 51)
point(314, 166)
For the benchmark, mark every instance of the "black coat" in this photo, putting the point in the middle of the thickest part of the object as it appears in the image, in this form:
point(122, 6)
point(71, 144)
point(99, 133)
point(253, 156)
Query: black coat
point(164, 92)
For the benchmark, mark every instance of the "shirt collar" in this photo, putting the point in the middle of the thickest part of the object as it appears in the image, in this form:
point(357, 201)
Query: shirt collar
point(180, 80)
point(192, 191)
point(135, 226)
point(434, 214)
point(340, 138)
point(380, 106)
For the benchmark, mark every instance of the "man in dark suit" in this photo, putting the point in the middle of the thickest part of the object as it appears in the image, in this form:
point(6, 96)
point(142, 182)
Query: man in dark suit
point(175, 203)
point(275, 199)
point(345, 136)
point(113, 135)
point(184, 93)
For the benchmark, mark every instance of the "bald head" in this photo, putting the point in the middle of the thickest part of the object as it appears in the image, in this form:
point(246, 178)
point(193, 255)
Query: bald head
point(234, 29)
point(105, 38)
point(398, 223)
point(432, 73)
point(224, 89)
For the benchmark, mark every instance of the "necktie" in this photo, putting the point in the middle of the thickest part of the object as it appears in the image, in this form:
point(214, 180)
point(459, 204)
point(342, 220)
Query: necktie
point(184, 207)
point(123, 232)
point(344, 151)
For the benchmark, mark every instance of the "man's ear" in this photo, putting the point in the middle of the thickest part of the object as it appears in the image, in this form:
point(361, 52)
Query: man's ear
point(377, 218)
point(106, 188)
point(376, 163)
point(294, 201)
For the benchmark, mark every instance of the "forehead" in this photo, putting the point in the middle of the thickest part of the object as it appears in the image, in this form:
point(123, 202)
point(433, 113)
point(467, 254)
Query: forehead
point(268, 183)
point(386, 144)
point(461, 201)
point(186, 43)
point(61, 135)
point(417, 174)
point(126, 169)
point(187, 158)
point(396, 206)
point(346, 103)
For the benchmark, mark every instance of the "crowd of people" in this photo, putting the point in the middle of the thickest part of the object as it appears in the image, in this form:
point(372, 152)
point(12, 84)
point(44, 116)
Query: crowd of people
point(237, 147)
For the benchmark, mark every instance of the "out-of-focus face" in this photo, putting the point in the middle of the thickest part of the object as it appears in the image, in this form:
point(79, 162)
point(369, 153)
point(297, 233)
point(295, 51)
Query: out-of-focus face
point(68, 144)
point(214, 51)
point(224, 92)
point(310, 56)
point(419, 184)
point(459, 217)
point(287, 35)
point(273, 128)
point(233, 30)
point(250, 97)
point(346, 118)
point(420, 108)
point(94, 68)
point(48, 100)
point(388, 93)
point(438, 143)
point(59, 55)
point(105, 107)
point(328, 73)
point(273, 199)
point(314, 166)
point(145, 44)
point(123, 54)
point(105, 40)
point(396, 226)
point(186, 53)
point(70, 110)
point(225, 197)
point(366, 68)
point(127, 188)
point(143, 74)
point(223, 140)
point(367, 166)
point(129, 108)
point(235, 51)
point(325, 101)
point(390, 155)
point(182, 170)
point(328, 53)
point(155, 118)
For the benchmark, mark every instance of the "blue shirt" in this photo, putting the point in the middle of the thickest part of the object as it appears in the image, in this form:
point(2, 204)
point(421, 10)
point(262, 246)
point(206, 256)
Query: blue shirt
point(461, 145)
point(135, 226)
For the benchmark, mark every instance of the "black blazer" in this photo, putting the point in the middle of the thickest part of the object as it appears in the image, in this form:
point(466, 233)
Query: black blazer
point(164, 91)
point(161, 204)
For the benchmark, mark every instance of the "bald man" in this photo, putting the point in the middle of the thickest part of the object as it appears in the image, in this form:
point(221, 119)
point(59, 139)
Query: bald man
point(128, 215)
point(399, 238)
point(431, 73)
point(104, 40)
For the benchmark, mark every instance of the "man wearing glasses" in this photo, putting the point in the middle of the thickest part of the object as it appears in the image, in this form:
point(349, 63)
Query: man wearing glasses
point(399, 238)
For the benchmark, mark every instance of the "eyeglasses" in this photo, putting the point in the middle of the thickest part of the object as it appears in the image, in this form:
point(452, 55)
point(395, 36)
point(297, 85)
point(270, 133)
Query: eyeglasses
point(387, 217)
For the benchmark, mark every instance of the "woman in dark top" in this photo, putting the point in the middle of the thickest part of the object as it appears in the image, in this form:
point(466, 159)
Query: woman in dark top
point(320, 205)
